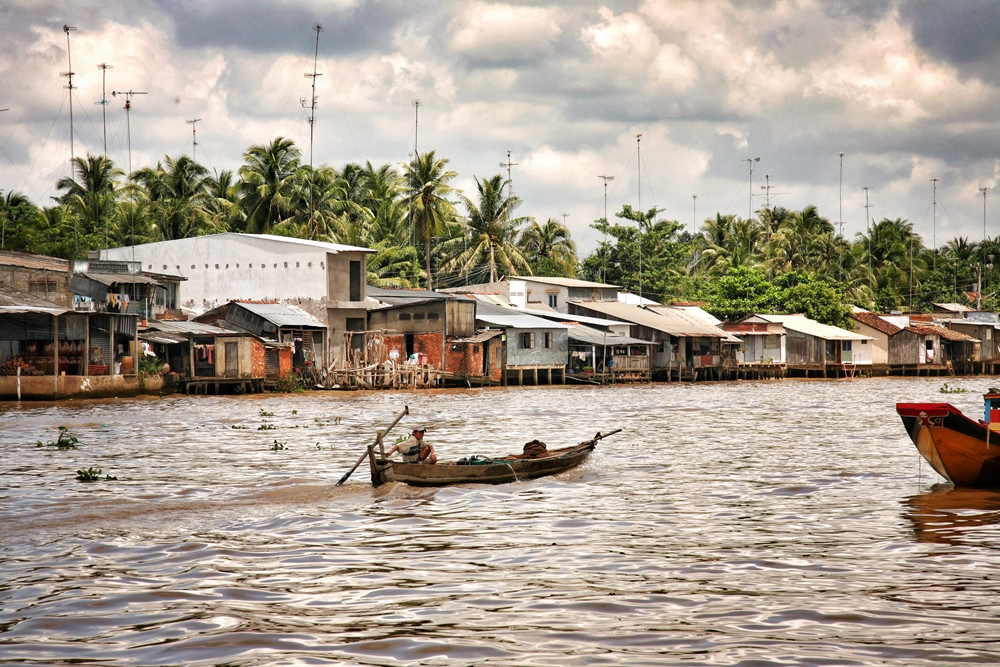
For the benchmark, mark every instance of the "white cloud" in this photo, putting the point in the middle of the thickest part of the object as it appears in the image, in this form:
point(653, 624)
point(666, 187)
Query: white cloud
point(499, 31)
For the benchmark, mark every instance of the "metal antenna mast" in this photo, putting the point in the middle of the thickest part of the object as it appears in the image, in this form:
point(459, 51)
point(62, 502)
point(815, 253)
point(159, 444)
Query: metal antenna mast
point(564, 216)
point(694, 212)
point(510, 180)
point(104, 67)
point(868, 222)
point(69, 75)
point(840, 199)
point(194, 137)
point(128, 118)
point(934, 223)
point(979, 290)
point(312, 118)
point(638, 167)
point(604, 269)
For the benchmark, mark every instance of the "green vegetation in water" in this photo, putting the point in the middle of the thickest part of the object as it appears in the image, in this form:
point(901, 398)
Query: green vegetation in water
point(89, 475)
point(278, 446)
point(239, 426)
point(945, 389)
point(265, 413)
point(295, 412)
point(289, 383)
point(64, 441)
point(267, 427)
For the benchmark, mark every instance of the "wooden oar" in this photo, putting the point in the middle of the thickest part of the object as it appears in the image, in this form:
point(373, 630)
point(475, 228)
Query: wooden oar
point(378, 439)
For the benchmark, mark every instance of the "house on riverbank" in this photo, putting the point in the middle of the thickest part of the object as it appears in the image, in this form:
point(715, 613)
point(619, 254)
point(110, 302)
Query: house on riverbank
point(326, 280)
point(813, 349)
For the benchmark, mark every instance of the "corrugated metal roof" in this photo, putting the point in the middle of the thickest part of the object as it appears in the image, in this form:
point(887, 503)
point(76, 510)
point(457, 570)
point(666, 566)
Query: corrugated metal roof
point(947, 334)
point(119, 278)
point(186, 327)
point(673, 322)
point(566, 318)
point(584, 334)
point(508, 317)
point(696, 311)
point(803, 324)
point(563, 282)
point(280, 315)
point(29, 261)
point(48, 310)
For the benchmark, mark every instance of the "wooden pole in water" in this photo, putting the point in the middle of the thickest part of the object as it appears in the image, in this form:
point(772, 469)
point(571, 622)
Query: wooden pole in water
point(378, 441)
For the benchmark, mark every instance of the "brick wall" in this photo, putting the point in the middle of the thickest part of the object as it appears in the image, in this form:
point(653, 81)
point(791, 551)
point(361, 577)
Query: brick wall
point(284, 361)
point(258, 358)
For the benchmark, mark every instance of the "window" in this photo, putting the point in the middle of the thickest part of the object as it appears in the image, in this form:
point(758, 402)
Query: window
point(929, 343)
point(433, 316)
point(528, 340)
point(846, 346)
point(355, 281)
point(403, 317)
point(548, 340)
point(42, 286)
point(419, 316)
point(355, 324)
point(553, 301)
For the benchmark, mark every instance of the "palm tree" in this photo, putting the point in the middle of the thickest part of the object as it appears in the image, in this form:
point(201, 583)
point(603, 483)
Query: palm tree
point(178, 197)
point(491, 239)
point(7, 213)
point(550, 241)
point(91, 194)
point(427, 180)
point(267, 183)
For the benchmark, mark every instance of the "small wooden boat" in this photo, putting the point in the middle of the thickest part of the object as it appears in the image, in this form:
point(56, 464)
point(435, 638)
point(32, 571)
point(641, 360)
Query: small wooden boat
point(963, 451)
point(481, 471)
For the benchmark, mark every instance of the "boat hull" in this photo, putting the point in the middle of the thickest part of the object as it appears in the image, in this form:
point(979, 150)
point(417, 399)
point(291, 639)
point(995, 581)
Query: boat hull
point(963, 451)
point(498, 472)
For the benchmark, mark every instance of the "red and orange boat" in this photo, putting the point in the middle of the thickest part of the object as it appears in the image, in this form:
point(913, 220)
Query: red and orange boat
point(963, 451)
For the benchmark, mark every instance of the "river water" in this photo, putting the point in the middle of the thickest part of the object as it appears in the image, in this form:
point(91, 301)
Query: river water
point(772, 523)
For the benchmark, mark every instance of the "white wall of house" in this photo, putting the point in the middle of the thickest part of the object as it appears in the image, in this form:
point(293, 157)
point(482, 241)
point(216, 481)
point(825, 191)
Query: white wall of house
point(220, 268)
point(880, 344)
point(860, 352)
point(761, 348)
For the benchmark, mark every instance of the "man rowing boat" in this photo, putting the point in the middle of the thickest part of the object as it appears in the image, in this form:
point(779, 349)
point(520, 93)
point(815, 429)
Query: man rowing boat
point(414, 449)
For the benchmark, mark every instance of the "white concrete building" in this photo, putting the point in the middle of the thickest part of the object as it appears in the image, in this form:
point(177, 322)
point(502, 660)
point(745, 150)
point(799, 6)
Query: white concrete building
point(326, 280)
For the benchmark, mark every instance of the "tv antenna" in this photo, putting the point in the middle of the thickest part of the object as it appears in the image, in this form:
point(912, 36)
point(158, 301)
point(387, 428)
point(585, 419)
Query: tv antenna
point(312, 117)
point(194, 136)
point(564, 216)
point(694, 214)
point(750, 161)
point(510, 181)
point(69, 75)
point(104, 67)
point(868, 222)
point(638, 167)
point(934, 181)
point(128, 118)
point(604, 269)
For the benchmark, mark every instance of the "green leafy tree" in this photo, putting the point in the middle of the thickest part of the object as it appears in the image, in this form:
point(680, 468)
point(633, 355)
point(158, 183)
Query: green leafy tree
point(549, 248)
point(427, 180)
point(267, 184)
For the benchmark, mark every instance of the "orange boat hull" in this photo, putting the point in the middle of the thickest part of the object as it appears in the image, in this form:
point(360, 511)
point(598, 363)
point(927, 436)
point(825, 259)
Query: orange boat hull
point(963, 451)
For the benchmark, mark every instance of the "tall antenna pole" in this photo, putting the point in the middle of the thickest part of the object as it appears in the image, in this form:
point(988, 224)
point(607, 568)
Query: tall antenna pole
point(934, 224)
point(564, 216)
point(312, 120)
point(510, 180)
point(194, 137)
point(604, 269)
point(694, 212)
point(984, 190)
point(979, 289)
point(750, 161)
point(104, 67)
point(840, 200)
point(868, 222)
point(69, 75)
point(416, 128)
point(128, 118)
point(638, 166)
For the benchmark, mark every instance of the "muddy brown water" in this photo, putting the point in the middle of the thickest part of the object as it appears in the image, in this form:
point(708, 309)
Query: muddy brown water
point(772, 523)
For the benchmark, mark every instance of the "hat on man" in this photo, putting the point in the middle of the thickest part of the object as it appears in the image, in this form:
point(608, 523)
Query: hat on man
point(419, 429)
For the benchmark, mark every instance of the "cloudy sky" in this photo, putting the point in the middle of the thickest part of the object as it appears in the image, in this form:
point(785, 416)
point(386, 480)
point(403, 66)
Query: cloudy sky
point(908, 90)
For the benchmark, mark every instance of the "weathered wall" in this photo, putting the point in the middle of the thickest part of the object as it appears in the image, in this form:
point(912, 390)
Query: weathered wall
point(36, 281)
point(69, 386)
point(518, 355)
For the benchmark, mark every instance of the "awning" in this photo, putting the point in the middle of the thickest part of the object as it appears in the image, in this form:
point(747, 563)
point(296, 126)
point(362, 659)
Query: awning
point(157, 337)
point(480, 337)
